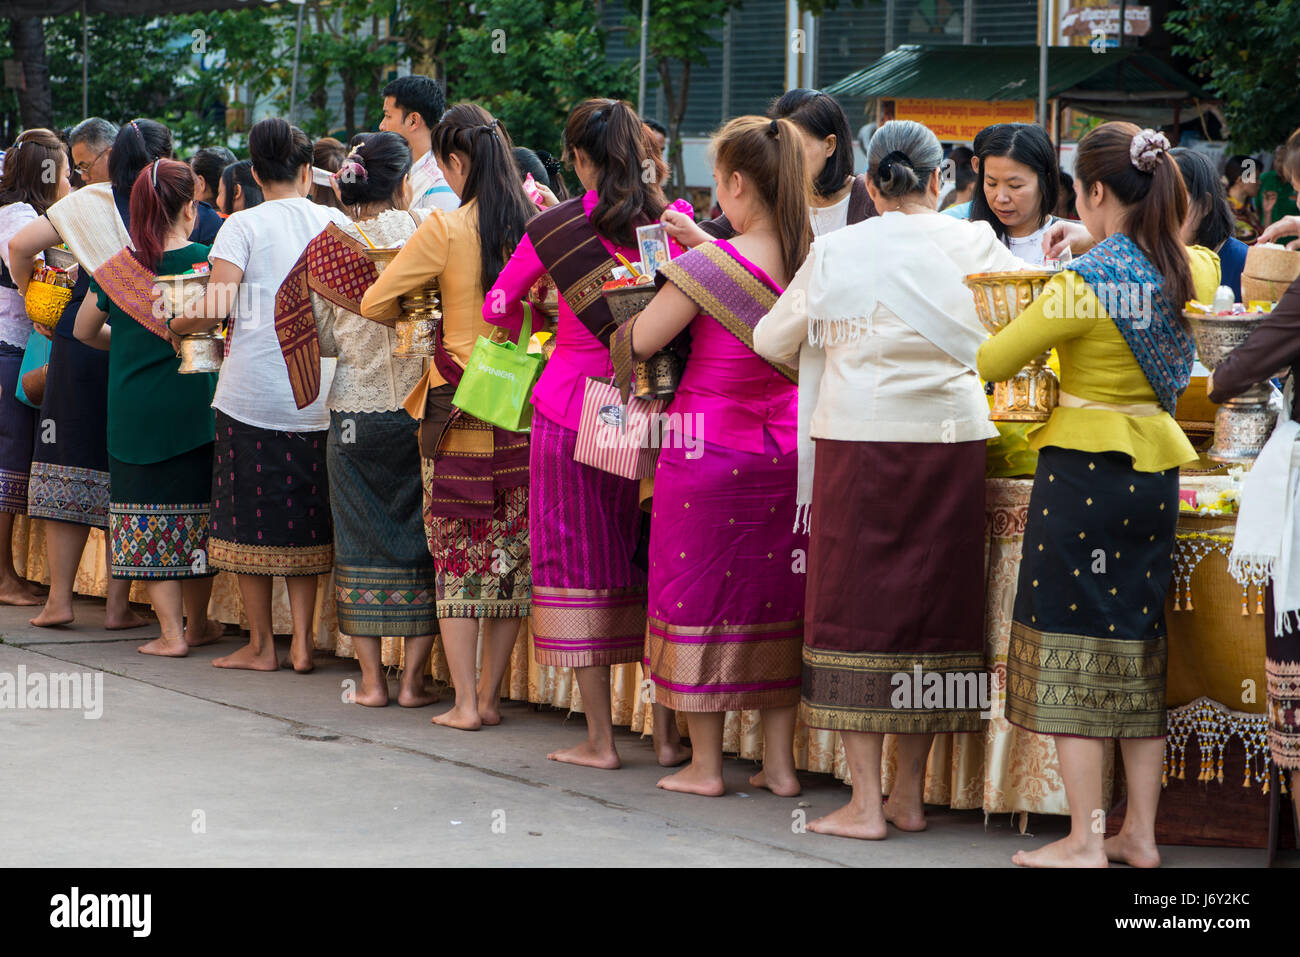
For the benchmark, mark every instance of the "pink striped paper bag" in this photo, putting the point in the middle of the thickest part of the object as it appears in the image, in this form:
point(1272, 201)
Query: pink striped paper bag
point(630, 451)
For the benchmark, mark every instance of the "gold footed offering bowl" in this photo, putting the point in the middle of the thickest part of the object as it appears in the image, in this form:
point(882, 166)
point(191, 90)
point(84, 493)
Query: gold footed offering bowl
point(658, 376)
point(1031, 394)
point(201, 352)
point(1242, 424)
point(417, 329)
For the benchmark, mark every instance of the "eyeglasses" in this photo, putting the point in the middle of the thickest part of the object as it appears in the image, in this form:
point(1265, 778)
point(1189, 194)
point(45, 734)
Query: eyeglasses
point(84, 168)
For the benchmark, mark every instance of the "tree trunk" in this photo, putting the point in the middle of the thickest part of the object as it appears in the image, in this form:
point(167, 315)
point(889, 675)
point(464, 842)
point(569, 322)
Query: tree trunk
point(36, 102)
point(679, 116)
point(349, 102)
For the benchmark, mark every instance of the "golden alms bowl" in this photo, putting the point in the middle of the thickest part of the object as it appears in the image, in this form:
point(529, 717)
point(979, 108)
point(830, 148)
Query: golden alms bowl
point(1031, 394)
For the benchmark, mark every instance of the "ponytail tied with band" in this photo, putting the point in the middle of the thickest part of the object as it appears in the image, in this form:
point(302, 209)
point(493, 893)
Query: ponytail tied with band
point(773, 129)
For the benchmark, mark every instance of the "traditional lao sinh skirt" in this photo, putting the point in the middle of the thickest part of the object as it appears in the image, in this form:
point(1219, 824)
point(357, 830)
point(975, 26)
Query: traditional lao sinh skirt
point(894, 641)
point(1088, 643)
point(158, 517)
point(1282, 677)
point(383, 573)
point(270, 501)
point(589, 597)
point(69, 476)
point(17, 432)
point(727, 578)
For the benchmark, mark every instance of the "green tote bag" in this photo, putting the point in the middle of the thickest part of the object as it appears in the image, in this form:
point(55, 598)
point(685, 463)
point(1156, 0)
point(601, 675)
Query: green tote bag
point(499, 380)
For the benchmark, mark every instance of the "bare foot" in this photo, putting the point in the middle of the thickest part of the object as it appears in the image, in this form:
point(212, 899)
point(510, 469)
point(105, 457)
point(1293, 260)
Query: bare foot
point(588, 756)
point(372, 697)
point(212, 632)
point(905, 819)
point(302, 663)
point(781, 786)
point(166, 647)
point(671, 754)
point(1123, 849)
point(416, 697)
point(18, 593)
point(690, 780)
point(50, 617)
point(457, 717)
point(1061, 854)
point(850, 821)
point(489, 711)
point(115, 622)
point(249, 660)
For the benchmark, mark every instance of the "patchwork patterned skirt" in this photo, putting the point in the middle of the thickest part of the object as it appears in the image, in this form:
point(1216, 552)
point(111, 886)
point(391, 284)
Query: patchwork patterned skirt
point(158, 517)
point(270, 501)
point(1088, 648)
point(17, 432)
point(894, 640)
point(727, 577)
point(383, 574)
point(589, 596)
point(69, 475)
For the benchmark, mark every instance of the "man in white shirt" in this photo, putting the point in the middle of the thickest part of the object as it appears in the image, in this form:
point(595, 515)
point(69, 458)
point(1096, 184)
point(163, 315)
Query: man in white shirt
point(413, 105)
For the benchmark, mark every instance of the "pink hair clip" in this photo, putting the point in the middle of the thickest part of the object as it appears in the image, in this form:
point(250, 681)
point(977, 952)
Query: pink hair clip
point(1145, 150)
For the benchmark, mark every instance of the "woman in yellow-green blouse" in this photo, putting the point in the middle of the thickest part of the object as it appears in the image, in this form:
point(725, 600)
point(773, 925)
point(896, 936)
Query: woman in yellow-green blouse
point(1086, 661)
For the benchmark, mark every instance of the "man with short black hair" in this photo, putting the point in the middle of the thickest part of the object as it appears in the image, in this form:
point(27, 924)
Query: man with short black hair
point(413, 105)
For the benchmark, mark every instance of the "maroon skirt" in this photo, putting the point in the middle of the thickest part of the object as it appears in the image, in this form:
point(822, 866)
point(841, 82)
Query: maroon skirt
point(894, 622)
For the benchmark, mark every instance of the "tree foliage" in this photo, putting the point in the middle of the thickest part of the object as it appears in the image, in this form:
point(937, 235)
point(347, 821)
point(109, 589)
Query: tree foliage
point(1248, 53)
point(529, 62)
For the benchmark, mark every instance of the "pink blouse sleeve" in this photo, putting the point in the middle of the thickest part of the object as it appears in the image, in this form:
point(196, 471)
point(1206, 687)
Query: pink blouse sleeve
point(503, 304)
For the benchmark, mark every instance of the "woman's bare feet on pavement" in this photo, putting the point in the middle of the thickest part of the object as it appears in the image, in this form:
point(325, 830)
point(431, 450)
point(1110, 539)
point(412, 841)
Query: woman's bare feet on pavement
point(588, 756)
point(690, 780)
point(53, 614)
point(463, 719)
point(1123, 849)
point(1061, 853)
point(18, 592)
point(212, 632)
point(247, 659)
point(852, 821)
point(121, 622)
point(415, 696)
point(905, 818)
point(165, 647)
point(781, 786)
point(673, 753)
point(375, 696)
point(489, 710)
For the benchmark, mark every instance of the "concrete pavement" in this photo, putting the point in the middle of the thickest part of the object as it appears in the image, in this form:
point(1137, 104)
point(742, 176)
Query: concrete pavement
point(193, 765)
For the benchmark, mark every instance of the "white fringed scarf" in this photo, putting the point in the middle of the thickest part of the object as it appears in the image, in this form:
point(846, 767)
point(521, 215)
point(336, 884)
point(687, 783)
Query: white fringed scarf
point(1266, 546)
point(88, 223)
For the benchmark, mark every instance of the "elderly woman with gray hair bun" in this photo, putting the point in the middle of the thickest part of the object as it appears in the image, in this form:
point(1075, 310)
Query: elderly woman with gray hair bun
point(885, 332)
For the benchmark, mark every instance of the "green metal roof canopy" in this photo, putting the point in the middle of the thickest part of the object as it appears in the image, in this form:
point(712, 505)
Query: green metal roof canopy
point(992, 73)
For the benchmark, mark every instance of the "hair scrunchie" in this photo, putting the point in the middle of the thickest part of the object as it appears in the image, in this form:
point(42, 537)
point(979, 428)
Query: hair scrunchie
point(1144, 152)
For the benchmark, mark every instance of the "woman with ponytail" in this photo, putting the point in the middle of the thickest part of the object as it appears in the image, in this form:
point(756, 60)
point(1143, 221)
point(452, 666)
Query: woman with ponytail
point(475, 475)
point(1088, 642)
point(727, 471)
point(159, 452)
point(374, 463)
point(270, 508)
point(69, 485)
point(884, 334)
point(589, 594)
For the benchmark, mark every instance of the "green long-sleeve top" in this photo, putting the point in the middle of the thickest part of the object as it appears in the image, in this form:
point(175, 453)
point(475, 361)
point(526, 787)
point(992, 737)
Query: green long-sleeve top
point(1096, 365)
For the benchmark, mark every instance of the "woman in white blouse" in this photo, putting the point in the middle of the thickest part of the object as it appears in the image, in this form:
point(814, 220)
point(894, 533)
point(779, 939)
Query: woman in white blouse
point(886, 335)
point(270, 510)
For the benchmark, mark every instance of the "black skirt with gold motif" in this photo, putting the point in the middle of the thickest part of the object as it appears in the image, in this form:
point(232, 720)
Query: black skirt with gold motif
point(1088, 645)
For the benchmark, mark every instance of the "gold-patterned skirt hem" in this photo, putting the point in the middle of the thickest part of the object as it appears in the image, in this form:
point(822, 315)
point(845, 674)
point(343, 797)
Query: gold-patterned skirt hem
point(1086, 686)
point(890, 721)
point(286, 560)
point(484, 608)
point(726, 701)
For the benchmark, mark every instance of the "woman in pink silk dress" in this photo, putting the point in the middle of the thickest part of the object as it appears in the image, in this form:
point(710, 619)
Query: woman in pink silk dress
point(589, 596)
point(726, 566)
